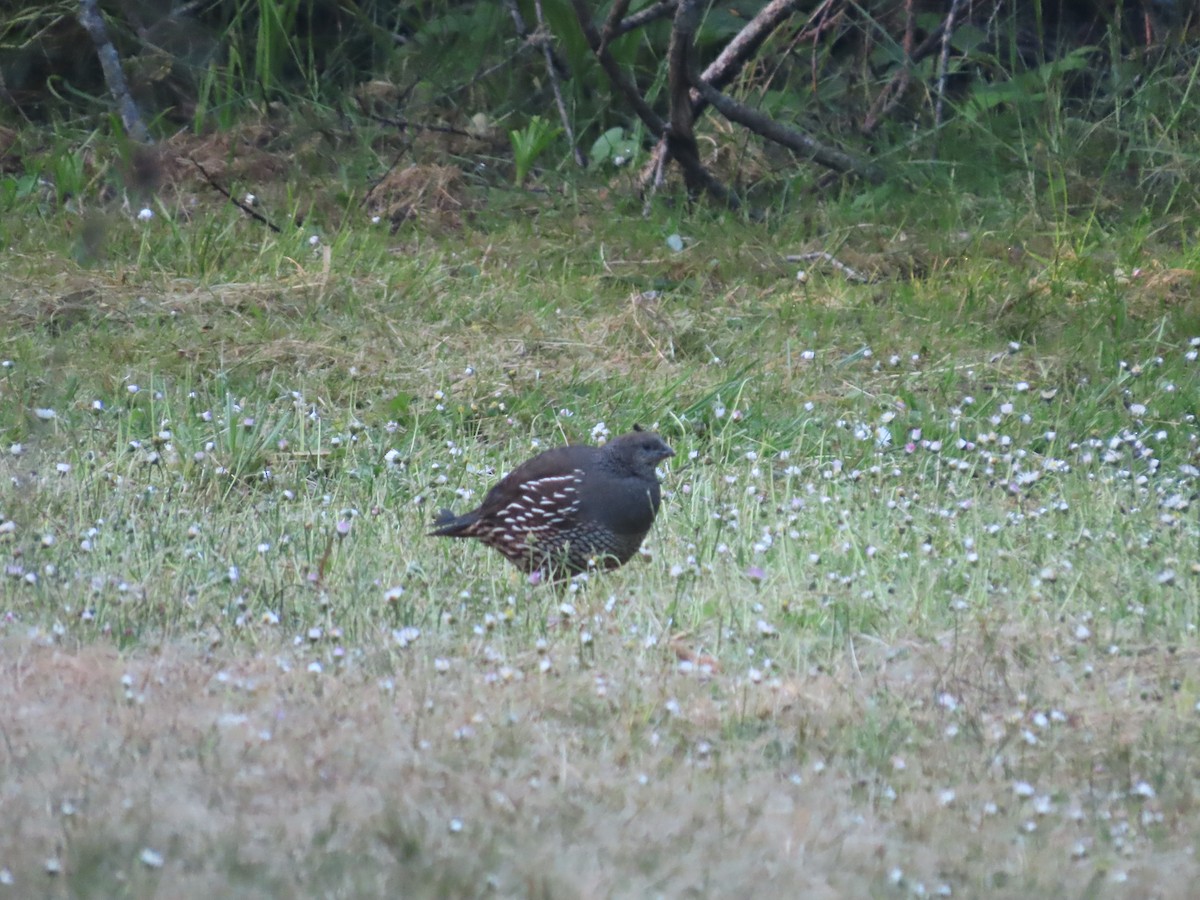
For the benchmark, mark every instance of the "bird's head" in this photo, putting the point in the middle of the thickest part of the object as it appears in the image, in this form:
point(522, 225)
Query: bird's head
point(638, 452)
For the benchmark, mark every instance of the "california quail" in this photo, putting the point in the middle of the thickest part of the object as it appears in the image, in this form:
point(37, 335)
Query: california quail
point(570, 508)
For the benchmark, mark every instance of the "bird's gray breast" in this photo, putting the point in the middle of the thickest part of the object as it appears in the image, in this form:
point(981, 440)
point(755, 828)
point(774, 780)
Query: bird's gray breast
point(626, 505)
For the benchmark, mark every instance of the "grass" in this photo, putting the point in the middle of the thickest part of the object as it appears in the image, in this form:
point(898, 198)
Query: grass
point(918, 616)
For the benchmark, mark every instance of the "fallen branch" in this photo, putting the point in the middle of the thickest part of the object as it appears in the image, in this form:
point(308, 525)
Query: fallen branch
point(212, 182)
point(850, 273)
point(765, 126)
point(622, 82)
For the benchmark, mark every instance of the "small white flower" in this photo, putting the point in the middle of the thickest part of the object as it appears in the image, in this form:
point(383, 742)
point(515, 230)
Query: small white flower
point(1144, 790)
point(405, 636)
point(145, 214)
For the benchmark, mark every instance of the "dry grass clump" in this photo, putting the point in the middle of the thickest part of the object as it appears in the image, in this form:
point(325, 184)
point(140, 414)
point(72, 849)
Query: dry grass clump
point(434, 195)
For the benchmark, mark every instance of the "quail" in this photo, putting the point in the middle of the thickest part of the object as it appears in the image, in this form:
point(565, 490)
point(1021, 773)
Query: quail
point(570, 508)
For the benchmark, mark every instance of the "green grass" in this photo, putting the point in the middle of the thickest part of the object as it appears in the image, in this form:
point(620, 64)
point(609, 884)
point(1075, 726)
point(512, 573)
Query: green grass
point(919, 611)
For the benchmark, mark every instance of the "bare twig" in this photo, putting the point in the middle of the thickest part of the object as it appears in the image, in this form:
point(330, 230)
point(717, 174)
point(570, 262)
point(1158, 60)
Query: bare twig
point(943, 65)
point(552, 74)
point(622, 82)
point(894, 90)
point(518, 19)
point(534, 39)
point(729, 62)
point(611, 24)
point(248, 210)
point(850, 273)
point(657, 180)
point(114, 76)
point(651, 13)
point(764, 125)
point(822, 19)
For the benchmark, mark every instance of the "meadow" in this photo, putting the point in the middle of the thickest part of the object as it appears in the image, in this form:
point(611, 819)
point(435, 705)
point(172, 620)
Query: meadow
point(918, 616)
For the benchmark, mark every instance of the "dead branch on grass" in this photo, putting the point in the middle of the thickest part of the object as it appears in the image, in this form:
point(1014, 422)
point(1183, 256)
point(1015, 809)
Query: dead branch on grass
point(851, 274)
point(248, 210)
point(764, 126)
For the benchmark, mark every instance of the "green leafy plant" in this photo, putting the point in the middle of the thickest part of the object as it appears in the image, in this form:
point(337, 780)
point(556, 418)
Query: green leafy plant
point(529, 143)
point(616, 147)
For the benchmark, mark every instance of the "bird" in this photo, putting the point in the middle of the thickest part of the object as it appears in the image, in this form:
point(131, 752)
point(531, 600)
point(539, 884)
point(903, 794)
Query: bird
point(570, 508)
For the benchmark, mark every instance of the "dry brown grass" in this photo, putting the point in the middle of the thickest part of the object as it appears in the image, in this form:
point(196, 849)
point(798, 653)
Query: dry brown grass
point(628, 776)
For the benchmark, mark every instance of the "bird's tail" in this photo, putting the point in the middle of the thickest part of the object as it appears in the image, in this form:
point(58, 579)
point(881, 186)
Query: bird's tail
point(447, 524)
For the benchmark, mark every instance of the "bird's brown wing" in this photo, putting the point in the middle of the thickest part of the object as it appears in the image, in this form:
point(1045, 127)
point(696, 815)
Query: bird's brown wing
point(558, 461)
